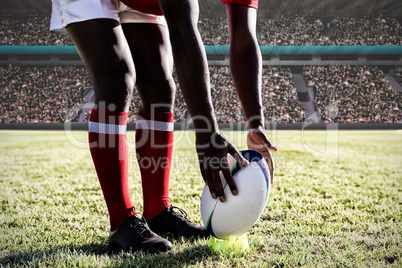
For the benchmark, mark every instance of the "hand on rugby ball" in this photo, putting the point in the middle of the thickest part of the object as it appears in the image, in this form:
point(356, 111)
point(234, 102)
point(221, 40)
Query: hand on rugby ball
point(258, 141)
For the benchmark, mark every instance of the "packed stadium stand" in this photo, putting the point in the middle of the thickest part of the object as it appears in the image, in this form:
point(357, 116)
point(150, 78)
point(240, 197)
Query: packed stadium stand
point(279, 31)
point(354, 94)
point(341, 87)
point(53, 94)
point(31, 31)
point(50, 94)
point(398, 73)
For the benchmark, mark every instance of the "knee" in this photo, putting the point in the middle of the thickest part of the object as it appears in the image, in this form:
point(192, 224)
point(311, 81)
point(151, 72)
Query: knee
point(114, 85)
point(157, 95)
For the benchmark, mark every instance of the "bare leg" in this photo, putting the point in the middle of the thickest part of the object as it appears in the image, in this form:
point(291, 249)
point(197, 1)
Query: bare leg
point(152, 55)
point(105, 52)
point(151, 52)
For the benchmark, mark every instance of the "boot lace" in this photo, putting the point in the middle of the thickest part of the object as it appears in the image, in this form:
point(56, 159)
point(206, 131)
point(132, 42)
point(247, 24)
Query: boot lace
point(140, 227)
point(180, 213)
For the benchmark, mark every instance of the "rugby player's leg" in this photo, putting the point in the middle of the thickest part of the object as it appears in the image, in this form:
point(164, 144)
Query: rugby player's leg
point(105, 52)
point(154, 129)
point(152, 55)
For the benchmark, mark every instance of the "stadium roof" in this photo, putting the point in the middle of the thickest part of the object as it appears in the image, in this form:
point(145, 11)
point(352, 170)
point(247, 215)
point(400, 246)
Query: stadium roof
point(267, 8)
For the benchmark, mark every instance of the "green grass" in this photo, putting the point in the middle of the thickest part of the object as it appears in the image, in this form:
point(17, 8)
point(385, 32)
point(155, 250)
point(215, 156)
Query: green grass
point(336, 202)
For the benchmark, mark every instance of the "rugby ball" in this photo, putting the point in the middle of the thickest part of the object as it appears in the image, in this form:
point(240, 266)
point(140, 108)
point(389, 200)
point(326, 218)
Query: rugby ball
point(239, 213)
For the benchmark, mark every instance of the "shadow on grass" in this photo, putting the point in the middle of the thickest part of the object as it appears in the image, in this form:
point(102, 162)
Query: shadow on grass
point(73, 254)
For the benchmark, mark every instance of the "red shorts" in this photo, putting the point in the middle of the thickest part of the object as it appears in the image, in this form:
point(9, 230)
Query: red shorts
point(249, 3)
point(145, 6)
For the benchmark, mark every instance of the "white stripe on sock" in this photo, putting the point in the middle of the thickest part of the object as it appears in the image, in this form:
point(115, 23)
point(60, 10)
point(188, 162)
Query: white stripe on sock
point(103, 128)
point(154, 125)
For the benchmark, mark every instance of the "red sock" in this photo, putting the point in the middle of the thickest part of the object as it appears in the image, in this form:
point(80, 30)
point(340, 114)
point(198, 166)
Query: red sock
point(108, 146)
point(154, 146)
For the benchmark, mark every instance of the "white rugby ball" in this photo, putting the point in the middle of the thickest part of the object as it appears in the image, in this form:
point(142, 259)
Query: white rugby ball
point(238, 213)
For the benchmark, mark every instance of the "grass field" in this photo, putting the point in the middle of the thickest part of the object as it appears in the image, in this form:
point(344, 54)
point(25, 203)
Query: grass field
point(336, 202)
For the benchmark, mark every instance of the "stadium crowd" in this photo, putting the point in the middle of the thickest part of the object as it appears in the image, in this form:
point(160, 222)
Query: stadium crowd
point(346, 31)
point(279, 96)
point(343, 93)
point(42, 94)
point(278, 31)
point(214, 31)
point(292, 31)
point(31, 31)
point(398, 73)
point(354, 94)
point(55, 94)
point(377, 31)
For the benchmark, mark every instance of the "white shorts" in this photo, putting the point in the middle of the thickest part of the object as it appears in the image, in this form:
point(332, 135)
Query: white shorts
point(65, 12)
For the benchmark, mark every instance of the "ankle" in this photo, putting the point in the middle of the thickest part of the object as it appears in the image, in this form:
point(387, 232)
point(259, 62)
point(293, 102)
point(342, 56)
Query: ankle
point(150, 212)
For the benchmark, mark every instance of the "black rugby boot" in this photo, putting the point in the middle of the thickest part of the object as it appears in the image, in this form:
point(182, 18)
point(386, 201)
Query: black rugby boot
point(169, 222)
point(134, 235)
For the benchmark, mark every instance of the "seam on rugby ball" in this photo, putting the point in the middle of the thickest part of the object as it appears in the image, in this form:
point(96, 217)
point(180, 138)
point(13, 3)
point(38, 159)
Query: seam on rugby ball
point(209, 225)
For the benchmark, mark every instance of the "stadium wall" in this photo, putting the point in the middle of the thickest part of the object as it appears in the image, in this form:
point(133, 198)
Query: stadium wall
point(219, 55)
point(223, 127)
